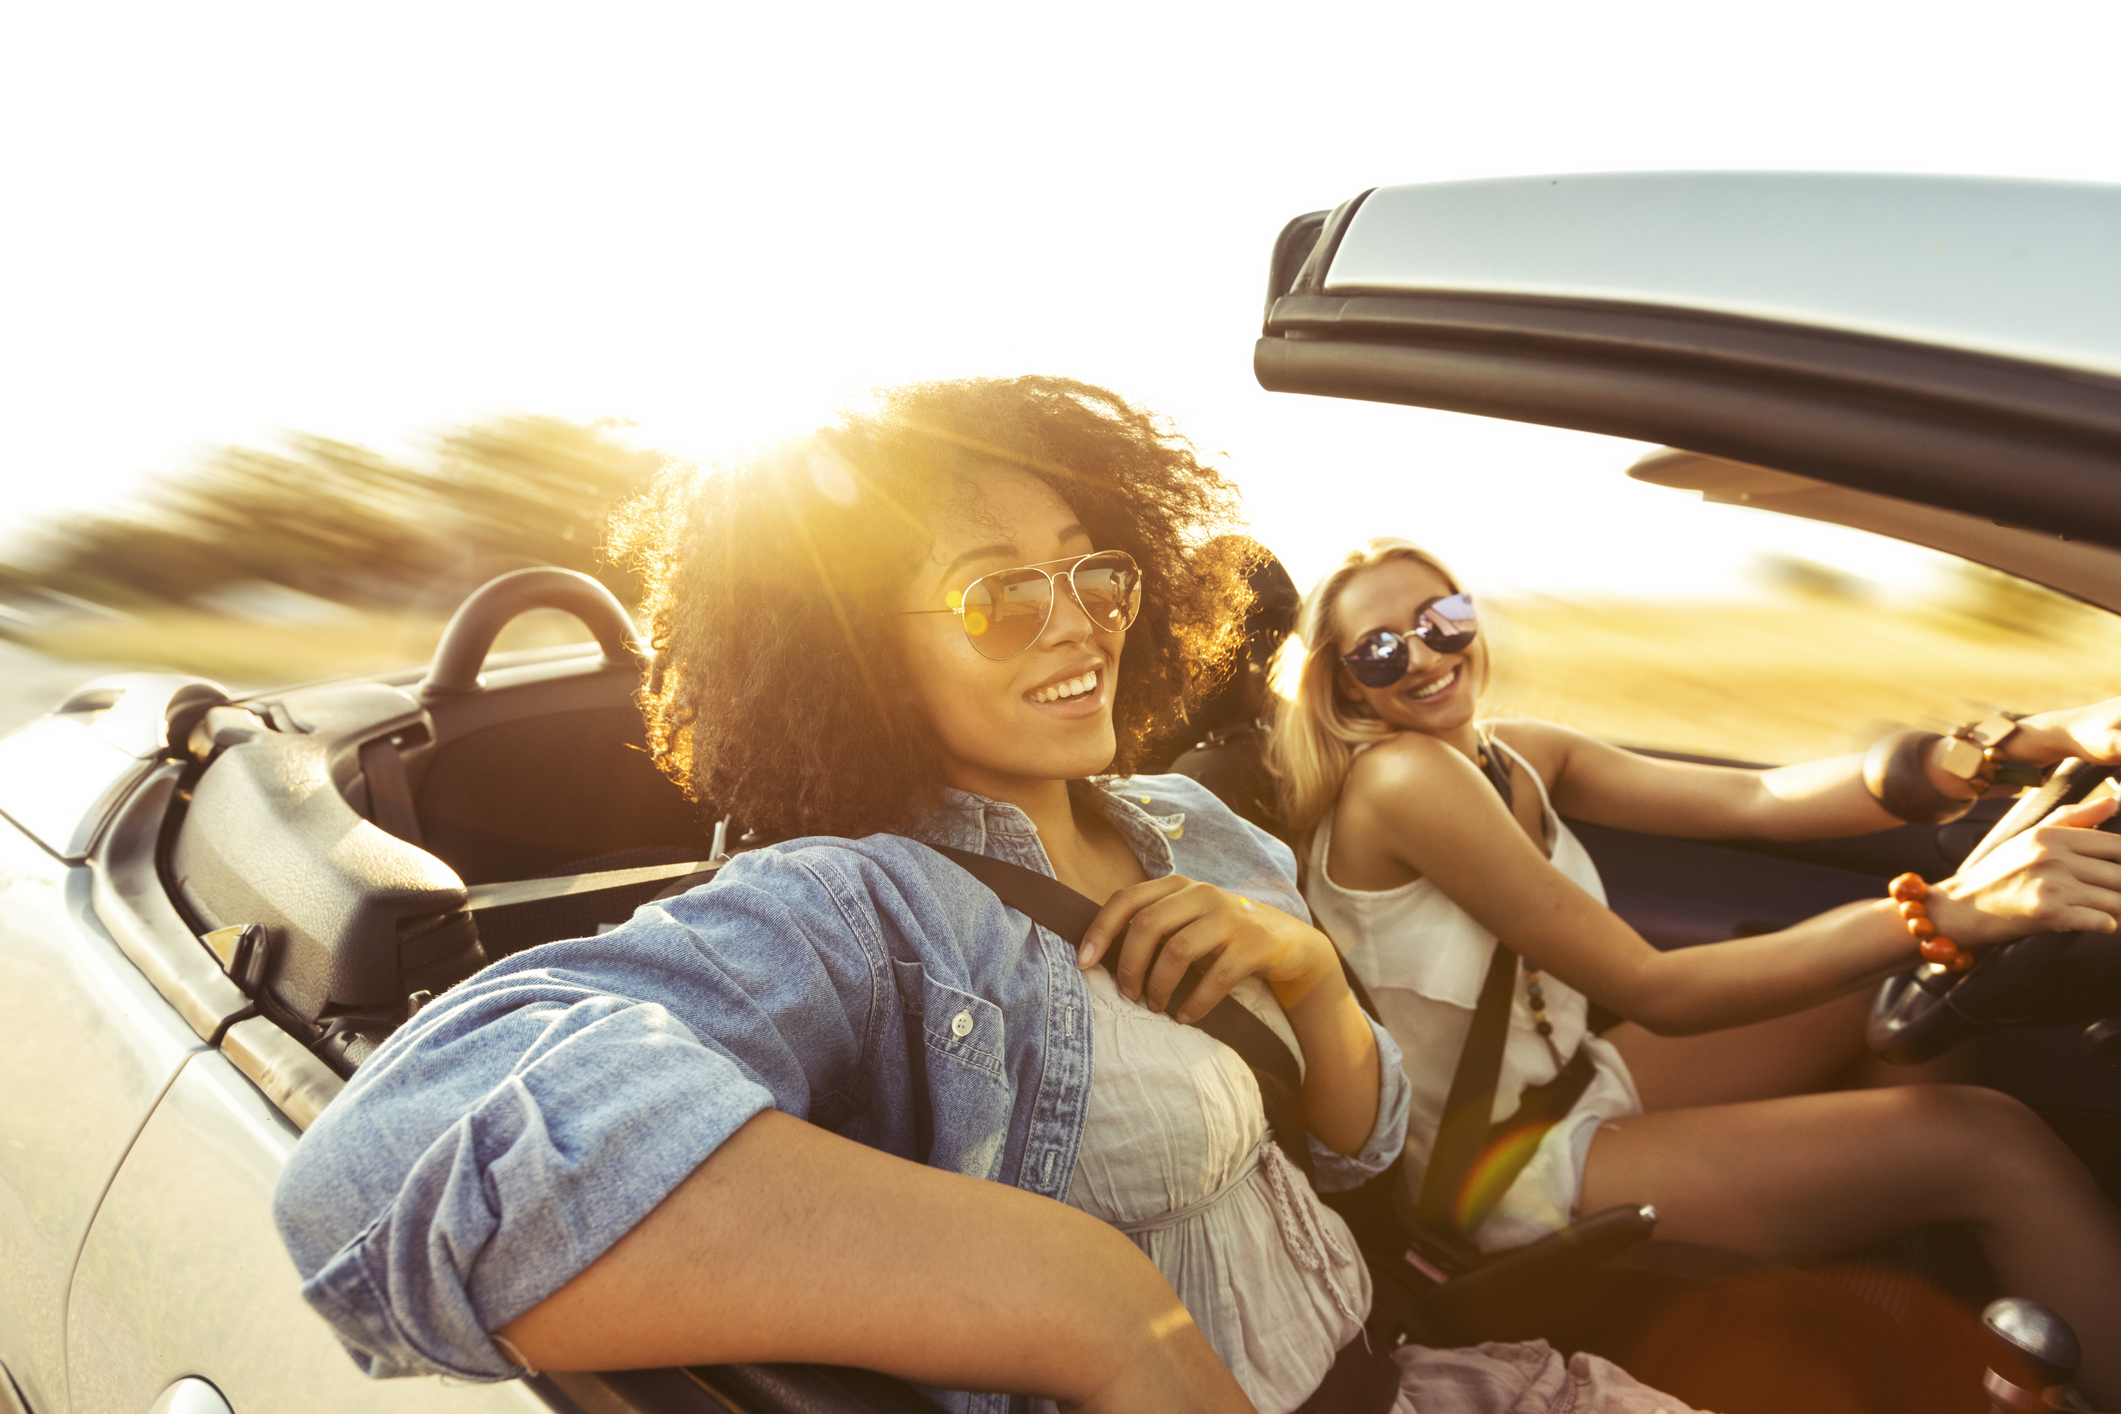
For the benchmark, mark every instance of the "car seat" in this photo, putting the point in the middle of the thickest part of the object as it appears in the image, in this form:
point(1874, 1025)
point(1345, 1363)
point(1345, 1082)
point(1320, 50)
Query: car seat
point(1228, 754)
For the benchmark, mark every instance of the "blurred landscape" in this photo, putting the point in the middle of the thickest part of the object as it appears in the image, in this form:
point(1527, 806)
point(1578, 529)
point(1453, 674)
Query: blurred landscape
point(1818, 673)
point(314, 558)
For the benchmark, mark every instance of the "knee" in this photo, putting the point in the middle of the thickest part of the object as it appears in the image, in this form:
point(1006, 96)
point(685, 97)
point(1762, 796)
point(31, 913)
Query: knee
point(1983, 1131)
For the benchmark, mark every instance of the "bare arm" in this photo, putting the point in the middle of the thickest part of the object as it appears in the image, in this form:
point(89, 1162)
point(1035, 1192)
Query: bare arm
point(1166, 925)
point(1607, 785)
point(1439, 818)
point(1812, 800)
point(790, 1243)
point(1340, 1060)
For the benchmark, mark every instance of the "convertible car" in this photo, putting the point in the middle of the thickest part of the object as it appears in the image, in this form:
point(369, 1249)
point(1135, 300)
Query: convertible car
point(213, 910)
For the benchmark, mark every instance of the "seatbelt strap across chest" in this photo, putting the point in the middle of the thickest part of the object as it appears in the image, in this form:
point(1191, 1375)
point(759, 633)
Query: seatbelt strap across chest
point(1470, 1106)
point(1052, 904)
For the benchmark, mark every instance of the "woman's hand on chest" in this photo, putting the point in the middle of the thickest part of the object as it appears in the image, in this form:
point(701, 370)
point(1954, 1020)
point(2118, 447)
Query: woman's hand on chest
point(1163, 927)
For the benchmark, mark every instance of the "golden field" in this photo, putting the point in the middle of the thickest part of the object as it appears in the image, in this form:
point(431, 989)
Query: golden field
point(243, 655)
point(1787, 681)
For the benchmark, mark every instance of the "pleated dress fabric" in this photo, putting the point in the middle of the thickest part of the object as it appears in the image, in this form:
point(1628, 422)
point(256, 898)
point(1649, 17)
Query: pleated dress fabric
point(1176, 1154)
point(1423, 959)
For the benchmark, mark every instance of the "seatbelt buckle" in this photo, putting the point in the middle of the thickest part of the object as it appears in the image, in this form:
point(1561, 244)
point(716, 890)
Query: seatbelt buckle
point(1441, 1255)
point(1413, 1258)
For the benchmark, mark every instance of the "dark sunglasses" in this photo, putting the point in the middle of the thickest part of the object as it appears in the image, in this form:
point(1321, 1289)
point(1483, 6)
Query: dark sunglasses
point(1381, 657)
point(1005, 612)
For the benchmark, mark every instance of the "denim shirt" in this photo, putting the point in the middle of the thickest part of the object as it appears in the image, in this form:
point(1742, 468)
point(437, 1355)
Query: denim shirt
point(524, 1121)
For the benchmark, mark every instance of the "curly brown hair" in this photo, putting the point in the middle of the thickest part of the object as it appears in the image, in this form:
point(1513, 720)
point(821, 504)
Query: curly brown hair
point(776, 694)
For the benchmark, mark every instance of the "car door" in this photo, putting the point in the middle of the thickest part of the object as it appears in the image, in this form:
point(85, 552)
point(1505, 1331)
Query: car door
point(183, 1274)
point(86, 1043)
point(161, 1283)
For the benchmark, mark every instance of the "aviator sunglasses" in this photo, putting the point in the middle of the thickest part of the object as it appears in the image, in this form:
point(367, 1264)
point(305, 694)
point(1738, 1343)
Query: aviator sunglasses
point(1005, 612)
point(1444, 625)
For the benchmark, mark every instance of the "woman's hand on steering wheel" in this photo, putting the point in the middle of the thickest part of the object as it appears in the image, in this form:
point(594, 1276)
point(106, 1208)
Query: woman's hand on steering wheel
point(1164, 926)
point(2063, 875)
point(2092, 732)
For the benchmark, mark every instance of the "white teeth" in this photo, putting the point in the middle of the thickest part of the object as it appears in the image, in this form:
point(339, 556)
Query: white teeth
point(1437, 686)
point(1073, 687)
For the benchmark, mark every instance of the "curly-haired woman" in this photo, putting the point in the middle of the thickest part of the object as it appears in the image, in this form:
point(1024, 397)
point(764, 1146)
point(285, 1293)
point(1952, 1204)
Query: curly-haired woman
point(840, 1105)
point(1429, 835)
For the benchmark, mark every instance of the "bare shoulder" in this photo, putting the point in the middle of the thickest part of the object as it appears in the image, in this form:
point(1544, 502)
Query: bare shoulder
point(1546, 745)
point(1406, 771)
point(1420, 804)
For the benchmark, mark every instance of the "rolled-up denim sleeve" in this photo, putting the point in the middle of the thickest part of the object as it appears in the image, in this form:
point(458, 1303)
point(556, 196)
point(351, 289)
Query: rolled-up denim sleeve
point(530, 1117)
point(1335, 1172)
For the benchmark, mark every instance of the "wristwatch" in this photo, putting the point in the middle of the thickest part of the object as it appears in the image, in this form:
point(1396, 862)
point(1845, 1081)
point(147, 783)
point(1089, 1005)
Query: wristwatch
point(1971, 754)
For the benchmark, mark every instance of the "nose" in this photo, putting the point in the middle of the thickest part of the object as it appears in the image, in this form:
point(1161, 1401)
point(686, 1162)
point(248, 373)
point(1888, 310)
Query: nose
point(1421, 658)
point(1067, 623)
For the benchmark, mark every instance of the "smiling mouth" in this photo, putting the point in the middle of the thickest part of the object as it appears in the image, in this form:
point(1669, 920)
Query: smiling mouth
point(1423, 693)
point(1066, 691)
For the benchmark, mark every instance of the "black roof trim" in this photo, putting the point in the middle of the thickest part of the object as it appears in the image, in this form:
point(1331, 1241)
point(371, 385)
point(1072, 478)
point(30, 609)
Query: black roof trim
point(1311, 276)
point(2018, 442)
point(1292, 248)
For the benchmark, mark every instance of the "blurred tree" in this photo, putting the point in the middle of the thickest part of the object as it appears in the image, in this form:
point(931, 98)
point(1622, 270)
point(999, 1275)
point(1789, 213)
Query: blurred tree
point(345, 523)
point(542, 488)
point(1989, 602)
point(1808, 579)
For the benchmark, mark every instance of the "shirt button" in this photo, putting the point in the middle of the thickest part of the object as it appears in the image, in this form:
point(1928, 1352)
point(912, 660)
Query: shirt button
point(961, 1024)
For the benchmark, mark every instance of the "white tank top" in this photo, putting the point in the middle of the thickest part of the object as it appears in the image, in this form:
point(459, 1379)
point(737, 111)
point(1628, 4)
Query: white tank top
point(1423, 959)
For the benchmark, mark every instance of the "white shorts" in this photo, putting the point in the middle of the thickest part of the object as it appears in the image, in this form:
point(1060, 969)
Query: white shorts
point(1543, 1197)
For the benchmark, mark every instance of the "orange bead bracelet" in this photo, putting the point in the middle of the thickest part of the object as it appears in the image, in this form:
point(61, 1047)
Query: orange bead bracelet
point(1909, 891)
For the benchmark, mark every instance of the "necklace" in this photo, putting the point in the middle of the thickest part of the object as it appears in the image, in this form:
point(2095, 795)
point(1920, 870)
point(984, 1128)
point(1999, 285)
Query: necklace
point(1535, 996)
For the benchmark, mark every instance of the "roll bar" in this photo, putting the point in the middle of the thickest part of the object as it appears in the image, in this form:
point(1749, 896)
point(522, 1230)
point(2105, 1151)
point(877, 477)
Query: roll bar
point(491, 607)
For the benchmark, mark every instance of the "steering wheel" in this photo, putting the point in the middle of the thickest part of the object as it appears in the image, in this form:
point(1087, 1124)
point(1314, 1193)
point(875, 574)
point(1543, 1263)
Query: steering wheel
point(2044, 979)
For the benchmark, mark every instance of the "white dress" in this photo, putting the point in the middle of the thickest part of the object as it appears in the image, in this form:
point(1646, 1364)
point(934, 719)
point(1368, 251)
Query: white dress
point(1176, 1154)
point(1423, 959)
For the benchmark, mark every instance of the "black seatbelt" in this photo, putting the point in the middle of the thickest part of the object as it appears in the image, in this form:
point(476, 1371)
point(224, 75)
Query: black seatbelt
point(1049, 902)
point(1470, 1106)
point(390, 805)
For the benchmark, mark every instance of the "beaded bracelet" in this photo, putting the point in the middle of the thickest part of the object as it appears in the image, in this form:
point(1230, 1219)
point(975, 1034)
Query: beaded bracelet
point(1909, 891)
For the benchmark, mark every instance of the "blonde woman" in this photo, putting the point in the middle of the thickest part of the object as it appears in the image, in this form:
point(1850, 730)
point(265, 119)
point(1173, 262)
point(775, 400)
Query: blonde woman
point(1428, 834)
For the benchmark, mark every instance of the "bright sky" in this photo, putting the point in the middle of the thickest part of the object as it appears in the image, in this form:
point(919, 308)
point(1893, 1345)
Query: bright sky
point(376, 221)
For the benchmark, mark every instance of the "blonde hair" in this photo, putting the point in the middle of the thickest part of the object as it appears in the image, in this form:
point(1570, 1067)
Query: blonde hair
point(1316, 731)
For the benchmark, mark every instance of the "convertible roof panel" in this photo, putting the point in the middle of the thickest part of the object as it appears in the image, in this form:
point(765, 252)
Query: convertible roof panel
point(1869, 332)
point(2020, 269)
